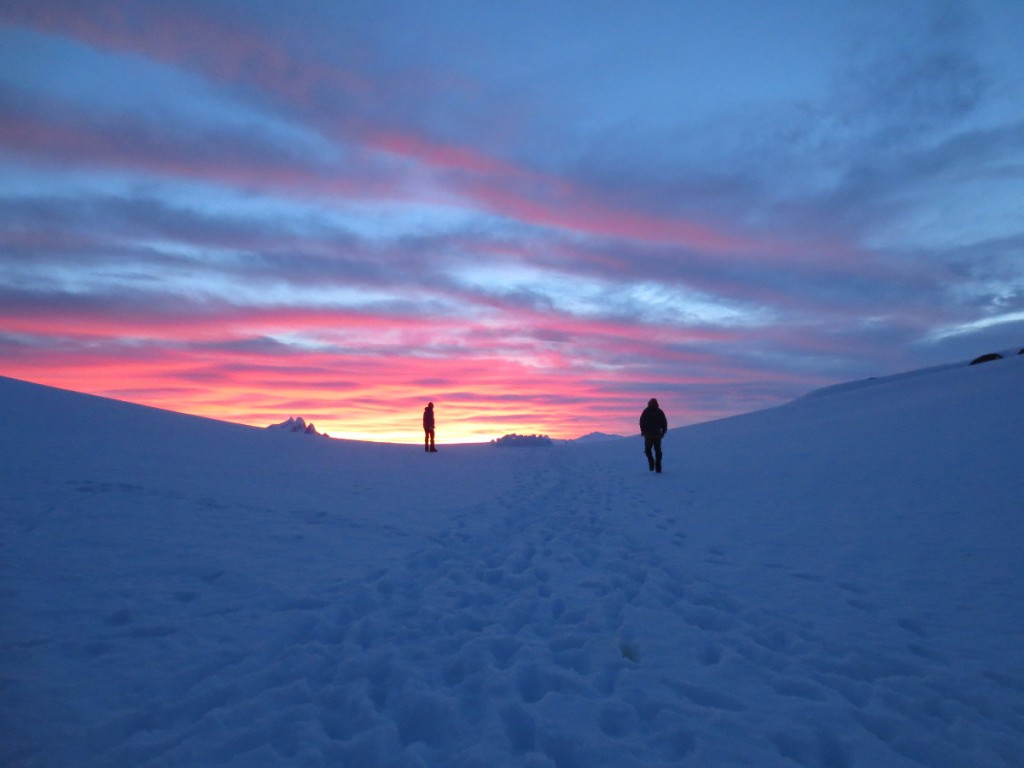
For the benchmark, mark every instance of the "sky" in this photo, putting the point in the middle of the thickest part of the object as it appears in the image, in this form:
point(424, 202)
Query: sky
point(536, 215)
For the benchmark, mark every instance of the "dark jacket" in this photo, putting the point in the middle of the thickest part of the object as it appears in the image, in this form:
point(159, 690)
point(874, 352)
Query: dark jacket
point(653, 422)
point(428, 419)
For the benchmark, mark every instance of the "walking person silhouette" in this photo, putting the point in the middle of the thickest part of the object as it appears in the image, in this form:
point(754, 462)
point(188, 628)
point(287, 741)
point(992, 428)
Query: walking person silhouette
point(428, 429)
point(653, 426)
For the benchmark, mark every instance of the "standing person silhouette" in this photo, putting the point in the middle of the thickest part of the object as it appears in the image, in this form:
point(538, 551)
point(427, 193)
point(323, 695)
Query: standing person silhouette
point(653, 426)
point(428, 429)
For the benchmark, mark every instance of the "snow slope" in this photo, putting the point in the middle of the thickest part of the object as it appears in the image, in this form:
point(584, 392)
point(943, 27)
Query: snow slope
point(836, 582)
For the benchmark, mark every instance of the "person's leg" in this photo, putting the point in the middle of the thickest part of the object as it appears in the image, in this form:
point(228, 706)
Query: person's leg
point(648, 444)
point(657, 455)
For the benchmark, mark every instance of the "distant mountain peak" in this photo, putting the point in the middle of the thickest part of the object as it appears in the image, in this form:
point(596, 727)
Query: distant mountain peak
point(297, 424)
point(596, 437)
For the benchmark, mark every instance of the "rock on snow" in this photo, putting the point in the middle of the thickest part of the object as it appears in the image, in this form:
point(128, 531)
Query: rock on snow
point(832, 583)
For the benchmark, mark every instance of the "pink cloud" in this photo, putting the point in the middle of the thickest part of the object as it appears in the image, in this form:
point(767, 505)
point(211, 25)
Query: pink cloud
point(191, 38)
point(438, 155)
point(545, 200)
point(234, 54)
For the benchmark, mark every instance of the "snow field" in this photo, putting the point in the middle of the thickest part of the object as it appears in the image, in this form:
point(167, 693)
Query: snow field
point(832, 583)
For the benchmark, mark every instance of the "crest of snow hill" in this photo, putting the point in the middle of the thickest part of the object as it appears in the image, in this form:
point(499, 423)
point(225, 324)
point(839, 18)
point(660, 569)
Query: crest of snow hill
point(297, 424)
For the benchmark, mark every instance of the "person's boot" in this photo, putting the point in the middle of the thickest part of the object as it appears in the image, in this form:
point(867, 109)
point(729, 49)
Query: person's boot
point(657, 467)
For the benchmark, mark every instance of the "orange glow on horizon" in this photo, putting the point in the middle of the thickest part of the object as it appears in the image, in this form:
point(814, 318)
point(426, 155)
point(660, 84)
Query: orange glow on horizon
point(376, 411)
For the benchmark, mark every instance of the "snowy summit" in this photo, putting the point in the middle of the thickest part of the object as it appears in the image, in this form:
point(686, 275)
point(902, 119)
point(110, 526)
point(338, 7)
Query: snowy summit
point(833, 583)
point(595, 437)
point(297, 424)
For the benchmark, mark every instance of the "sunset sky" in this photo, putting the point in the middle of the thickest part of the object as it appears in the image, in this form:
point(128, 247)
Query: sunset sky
point(537, 215)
